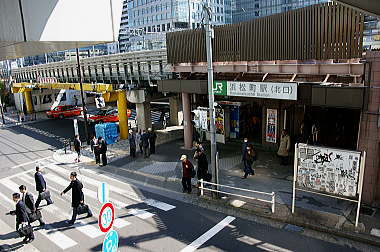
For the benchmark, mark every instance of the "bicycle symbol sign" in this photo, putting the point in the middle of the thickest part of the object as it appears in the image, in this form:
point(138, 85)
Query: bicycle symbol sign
point(111, 242)
point(106, 217)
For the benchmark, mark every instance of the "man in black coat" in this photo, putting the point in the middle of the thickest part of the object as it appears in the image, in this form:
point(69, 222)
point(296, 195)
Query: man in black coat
point(40, 186)
point(202, 170)
point(28, 199)
point(77, 147)
point(22, 216)
point(145, 143)
point(77, 196)
point(152, 141)
point(103, 150)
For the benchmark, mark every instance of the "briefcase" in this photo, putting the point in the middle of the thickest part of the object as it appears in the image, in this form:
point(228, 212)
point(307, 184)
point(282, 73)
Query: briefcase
point(44, 195)
point(35, 216)
point(25, 230)
point(82, 209)
point(208, 177)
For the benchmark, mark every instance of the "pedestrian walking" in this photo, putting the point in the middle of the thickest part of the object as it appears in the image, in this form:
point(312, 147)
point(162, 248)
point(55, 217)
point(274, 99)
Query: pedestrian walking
point(103, 150)
point(77, 199)
point(132, 143)
point(283, 150)
point(41, 188)
point(95, 149)
point(244, 148)
point(145, 143)
point(31, 209)
point(152, 141)
point(187, 173)
point(22, 218)
point(139, 142)
point(249, 158)
point(77, 146)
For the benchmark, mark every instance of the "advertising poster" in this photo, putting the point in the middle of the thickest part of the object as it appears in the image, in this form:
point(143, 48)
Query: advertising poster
point(219, 121)
point(271, 129)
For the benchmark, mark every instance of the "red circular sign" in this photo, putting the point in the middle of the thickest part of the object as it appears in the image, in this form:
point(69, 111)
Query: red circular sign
point(106, 217)
point(129, 112)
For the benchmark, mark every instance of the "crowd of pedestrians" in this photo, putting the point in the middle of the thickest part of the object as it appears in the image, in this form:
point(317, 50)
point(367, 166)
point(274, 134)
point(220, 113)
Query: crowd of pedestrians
point(145, 141)
point(27, 211)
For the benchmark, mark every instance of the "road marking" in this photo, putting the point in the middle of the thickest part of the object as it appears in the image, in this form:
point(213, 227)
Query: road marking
point(208, 235)
point(261, 244)
point(30, 162)
point(17, 174)
point(57, 237)
point(159, 204)
point(129, 194)
point(142, 214)
point(49, 231)
point(120, 223)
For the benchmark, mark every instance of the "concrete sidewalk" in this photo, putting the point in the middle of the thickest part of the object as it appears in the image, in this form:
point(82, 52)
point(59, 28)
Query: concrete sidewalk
point(312, 211)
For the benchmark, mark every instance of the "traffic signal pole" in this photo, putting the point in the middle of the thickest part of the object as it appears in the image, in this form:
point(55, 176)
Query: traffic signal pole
point(210, 71)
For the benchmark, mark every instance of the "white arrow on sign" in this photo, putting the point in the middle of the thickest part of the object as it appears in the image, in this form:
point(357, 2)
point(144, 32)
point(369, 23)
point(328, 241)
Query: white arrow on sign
point(103, 193)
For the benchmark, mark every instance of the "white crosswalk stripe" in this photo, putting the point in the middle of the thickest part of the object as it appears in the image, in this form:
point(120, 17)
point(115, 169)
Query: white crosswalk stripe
point(60, 239)
point(67, 238)
point(126, 193)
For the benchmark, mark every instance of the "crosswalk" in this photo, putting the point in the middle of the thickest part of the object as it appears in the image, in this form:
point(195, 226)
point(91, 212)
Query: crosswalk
point(130, 206)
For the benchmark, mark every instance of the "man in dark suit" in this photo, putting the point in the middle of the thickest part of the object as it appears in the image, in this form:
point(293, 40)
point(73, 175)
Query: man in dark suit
point(145, 143)
point(22, 216)
point(27, 197)
point(77, 196)
point(103, 150)
point(152, 141)
point(40, 186)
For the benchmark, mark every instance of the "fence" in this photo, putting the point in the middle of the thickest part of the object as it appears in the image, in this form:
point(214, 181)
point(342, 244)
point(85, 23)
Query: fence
point(272, 195)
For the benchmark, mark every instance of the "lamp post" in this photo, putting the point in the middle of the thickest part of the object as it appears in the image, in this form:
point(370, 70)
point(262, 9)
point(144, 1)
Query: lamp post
point(82, 96)
point(209, 36)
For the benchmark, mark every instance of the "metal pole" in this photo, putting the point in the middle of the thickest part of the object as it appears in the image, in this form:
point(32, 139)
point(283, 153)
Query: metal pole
point(360, 188)
point(295, 177)
point(82, 96)
point(209, 35)
point(2, 109)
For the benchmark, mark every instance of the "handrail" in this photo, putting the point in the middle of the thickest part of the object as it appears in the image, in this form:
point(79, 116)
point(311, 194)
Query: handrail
point(273, 194)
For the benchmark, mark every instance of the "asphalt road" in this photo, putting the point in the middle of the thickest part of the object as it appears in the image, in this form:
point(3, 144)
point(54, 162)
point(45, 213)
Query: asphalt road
point(146, 220)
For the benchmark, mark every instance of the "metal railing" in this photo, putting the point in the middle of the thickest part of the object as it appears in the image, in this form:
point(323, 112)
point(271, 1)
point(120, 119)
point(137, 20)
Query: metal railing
point(272, 195)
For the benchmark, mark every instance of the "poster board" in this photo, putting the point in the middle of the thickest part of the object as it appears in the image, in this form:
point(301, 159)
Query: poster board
point(271, 127)
point(328, 170)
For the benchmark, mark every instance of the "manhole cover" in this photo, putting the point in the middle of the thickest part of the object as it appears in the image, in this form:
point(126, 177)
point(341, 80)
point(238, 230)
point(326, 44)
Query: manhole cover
point(367, 211)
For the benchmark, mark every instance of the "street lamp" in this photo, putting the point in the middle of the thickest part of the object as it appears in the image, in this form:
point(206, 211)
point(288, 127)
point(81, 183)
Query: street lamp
point(209, 36)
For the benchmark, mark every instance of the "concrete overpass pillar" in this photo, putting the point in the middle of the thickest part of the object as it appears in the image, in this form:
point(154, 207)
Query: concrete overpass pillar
point(143, 116)
point(176, 114)
point(187, 126)
point(122, 114)
point(28, 101)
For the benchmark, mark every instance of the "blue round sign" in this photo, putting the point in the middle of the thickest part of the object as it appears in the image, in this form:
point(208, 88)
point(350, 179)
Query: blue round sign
point(111, 242)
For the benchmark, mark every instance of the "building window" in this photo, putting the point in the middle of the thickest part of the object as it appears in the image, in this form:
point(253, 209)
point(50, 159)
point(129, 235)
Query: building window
point(163, 27)
point(168, 26)
point(158, 28)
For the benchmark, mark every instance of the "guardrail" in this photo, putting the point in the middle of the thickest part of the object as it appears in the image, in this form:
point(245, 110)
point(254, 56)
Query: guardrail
point(272, 201)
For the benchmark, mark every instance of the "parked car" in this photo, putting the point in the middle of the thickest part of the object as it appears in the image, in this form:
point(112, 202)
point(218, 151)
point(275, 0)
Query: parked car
point(64, 111)
point(107, 115)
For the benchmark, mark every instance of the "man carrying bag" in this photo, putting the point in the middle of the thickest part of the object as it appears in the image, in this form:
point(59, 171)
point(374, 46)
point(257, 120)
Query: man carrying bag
point(22, 219)
point(43, 194)
point(33, 213)
point(77, 201)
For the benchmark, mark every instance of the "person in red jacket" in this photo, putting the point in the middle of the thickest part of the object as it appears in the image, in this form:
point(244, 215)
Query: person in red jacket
point(187, 170)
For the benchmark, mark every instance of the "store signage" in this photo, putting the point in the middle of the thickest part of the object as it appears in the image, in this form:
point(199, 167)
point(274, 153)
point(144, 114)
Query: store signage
point(271, 128)
point(269, 90)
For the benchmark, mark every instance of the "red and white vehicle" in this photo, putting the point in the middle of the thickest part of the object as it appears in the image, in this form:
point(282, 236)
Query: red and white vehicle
point(64, 111)
point(107, 115)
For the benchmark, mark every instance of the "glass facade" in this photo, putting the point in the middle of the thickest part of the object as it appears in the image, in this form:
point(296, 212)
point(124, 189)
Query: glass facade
point(244, 10)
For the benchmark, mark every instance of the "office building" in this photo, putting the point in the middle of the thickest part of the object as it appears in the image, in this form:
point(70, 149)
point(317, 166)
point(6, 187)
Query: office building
point(244, 10)
point(149, 20)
